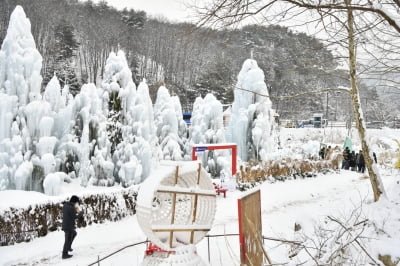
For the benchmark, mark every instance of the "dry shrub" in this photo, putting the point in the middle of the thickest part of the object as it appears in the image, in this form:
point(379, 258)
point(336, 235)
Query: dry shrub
point(281, 169)
point(386, 156)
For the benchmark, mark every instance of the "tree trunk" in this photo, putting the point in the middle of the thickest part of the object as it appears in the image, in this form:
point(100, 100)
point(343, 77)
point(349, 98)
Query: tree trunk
point(376, 183)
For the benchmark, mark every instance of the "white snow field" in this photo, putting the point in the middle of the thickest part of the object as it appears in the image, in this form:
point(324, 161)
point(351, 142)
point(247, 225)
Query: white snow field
point(307, 202)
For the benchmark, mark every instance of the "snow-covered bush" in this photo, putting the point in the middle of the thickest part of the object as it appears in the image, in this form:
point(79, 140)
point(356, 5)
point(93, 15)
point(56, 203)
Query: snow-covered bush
point(207, 127)
point(311, 149)
point(167, 126)
point(23, 176)
point(252, 121)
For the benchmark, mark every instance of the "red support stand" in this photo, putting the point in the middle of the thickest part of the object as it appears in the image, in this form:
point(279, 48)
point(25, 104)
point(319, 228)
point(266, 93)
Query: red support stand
point(151, 248)
point(211, 147)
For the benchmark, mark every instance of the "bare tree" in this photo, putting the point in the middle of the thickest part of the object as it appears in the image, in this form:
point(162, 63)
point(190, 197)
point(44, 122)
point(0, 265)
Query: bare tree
point(347, 24)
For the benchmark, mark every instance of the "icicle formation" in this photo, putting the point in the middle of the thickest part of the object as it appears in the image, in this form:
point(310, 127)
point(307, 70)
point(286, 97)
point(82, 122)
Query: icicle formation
point(133, 157)
point(103, 135)
point(251, 125)
point(32, 128)
point(167, 126)
point(208, 127)
point(95, 159)
point(119, 95)
point(20, 81)
point(118, 80)
point(20, 61)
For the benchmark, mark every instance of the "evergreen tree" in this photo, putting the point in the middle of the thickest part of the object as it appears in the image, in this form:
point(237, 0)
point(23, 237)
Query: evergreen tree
point(63, 55)
point(218, 80)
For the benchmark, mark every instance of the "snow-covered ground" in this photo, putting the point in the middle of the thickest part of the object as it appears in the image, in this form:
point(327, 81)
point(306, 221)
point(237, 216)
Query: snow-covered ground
point(306, 201)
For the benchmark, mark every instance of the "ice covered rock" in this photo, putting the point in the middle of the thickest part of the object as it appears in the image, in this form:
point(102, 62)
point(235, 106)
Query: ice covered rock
point(46, 126)
point(52, 94)
point(52, 183)
point(46, 145)
point(48, 163)
point(130, 173)
point(103, 170)
point(8, 111)
point(4, 177)
point(23, 176)
point(34, 113)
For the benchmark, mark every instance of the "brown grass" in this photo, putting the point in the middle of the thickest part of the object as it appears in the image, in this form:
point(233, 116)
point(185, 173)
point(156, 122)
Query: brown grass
point(260, 171)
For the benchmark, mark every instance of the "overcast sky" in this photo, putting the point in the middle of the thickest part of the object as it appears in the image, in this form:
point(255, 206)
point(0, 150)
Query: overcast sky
point(174, 10)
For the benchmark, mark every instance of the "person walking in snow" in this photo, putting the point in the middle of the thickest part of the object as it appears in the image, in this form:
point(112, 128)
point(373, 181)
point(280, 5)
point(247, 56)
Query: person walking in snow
point(352, 161)
point(346, 159)
point(322, 153)
point(361, 162)
point(71, 212)
point(328, 153)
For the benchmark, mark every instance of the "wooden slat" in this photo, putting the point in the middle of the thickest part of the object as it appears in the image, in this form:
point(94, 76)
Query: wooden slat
point(195, 204)
point(182, 230)
point(186, 227)
point(171, 234)
point(211, 194)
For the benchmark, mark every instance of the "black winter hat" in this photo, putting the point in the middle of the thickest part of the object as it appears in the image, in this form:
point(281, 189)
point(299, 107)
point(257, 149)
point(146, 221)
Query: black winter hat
point(74, 199)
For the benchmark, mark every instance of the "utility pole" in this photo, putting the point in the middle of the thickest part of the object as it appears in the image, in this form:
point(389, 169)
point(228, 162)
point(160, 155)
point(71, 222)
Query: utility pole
point(326, 110)
point(366, 111)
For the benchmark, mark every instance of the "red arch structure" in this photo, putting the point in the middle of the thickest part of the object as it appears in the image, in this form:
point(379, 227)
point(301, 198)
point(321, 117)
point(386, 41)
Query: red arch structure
point(211, 147)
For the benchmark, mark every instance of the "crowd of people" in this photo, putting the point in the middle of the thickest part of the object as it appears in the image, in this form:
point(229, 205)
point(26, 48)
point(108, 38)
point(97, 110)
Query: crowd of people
point(354, 161)
point(351, 160)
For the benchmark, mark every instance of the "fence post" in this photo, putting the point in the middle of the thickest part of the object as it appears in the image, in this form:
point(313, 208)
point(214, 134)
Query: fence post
point(98, 260)
point(208, 243)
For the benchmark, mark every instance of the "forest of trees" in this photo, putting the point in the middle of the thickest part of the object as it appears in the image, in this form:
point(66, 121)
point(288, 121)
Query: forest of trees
point(75, 38)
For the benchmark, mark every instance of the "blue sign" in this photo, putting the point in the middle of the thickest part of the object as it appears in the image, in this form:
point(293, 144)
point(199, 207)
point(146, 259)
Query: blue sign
point(200, 149)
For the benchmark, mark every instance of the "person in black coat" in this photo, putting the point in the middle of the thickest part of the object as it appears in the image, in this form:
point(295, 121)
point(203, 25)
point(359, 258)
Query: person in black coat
point(375, 159)
point(70, 214)
point(361, 162)
point(346, 159)
point(352, 161)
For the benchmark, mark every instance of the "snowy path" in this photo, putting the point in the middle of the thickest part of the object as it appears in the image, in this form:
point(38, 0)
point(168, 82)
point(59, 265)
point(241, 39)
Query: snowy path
point(304, 201)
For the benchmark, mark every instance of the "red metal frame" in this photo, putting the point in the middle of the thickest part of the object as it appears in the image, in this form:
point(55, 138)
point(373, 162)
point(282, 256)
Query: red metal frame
point(211, 147)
